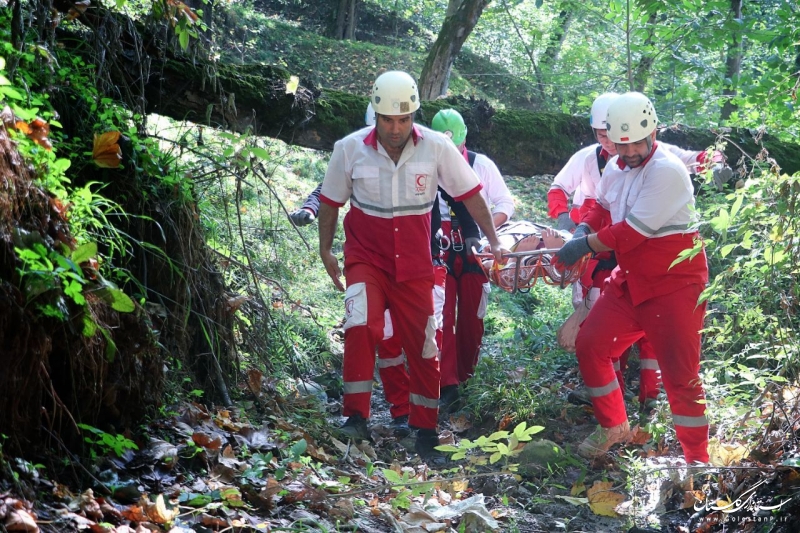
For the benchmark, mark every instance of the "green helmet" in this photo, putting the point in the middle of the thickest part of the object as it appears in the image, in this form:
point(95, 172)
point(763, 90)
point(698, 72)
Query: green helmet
point(451, 123)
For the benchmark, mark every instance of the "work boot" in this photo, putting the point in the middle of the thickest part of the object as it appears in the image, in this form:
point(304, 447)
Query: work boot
point(425, 446)
point(355, 427)
point(599, 442)
point(400, 427)
point(448, 396)
point(579, 397)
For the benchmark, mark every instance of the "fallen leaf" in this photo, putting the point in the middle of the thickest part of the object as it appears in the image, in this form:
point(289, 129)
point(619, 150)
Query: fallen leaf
point(204, 440)
point(602, 500)
point(20, 520)
point(726, 453)
point(639, 436)
point(577, 489)
point(158, 512)
point(37, 131)
point(505, 422)
point(573, 500)
point(106, 152)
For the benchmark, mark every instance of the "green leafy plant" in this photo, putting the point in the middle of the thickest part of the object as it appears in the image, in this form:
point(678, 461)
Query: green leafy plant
point(407, 487)
point(500, 445)
point(106, 443)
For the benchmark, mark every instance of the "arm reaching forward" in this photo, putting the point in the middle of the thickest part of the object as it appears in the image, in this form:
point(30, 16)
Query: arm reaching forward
point(328, 217)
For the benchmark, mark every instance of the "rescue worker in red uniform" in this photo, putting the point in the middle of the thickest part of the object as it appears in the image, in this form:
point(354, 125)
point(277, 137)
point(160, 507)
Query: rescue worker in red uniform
point(467, 289)
point(390, 175)
point(391, 360)
point(645, 214)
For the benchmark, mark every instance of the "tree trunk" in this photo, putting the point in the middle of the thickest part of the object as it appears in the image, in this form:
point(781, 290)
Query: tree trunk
point(462, 17)
point(642, 74)
point(556, 41)
point(346, 20)
point(520, 142)
point(733, 64)
point(350, 33)
point(341, 19)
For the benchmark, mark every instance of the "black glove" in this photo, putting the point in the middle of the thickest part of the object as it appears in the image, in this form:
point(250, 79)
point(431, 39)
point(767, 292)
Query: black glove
point(581, 231)
point(565, 223)
point(469, 242)
point(721, 175)
point(572, 251)
point(606, 264)
point(302, 217)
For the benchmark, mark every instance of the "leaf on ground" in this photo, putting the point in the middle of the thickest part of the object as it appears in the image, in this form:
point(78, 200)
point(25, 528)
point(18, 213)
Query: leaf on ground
point(691, 497)
point(639, 436)
point(460, 424)
point(726, 453)
point(573, 500)
point(207, 441)
point(20, 520)
point(320, 455)
point(577, 489)
point(602, 500)
point(158, 512)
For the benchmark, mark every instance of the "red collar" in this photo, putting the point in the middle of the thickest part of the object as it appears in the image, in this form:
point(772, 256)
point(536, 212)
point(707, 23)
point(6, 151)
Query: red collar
point(465, 153)
point(604, 154)
point(372, 137)
point(621, 164)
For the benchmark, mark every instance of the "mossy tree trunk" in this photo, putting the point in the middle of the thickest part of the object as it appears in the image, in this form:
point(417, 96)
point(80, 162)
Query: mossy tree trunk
point(520, 142)
point(254, 98)
point(461, 18)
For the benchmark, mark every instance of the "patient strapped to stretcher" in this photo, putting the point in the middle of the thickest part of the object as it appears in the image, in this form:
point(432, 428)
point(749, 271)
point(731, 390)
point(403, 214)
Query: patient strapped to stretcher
point(531, 247)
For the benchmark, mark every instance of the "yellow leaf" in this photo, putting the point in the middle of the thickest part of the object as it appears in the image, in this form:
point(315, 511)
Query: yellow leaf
point(602, 500)
point(106, 152)
point(577, 489)
point(726, 454)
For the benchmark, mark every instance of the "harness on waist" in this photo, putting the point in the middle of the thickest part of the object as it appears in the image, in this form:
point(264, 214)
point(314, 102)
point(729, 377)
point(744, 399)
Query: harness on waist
point(457, 246)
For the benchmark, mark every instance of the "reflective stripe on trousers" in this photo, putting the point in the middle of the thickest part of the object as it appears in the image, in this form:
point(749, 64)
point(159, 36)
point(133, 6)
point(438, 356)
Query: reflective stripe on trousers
point(672, 324)
point(369, 292)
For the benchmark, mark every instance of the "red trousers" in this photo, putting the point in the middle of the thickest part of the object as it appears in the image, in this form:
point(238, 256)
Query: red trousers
point(649, 372)
point(392, 361)
point(672, 324)
point(465, 302)
point(370, 291)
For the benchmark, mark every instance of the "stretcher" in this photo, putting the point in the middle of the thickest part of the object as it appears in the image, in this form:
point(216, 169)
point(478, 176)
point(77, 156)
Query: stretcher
point(531, 247)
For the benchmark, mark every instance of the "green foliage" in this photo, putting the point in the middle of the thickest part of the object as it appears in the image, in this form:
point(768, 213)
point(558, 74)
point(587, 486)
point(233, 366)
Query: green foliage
point(490, 450)
point(106, 443)
point(750, 338)
point(407, 486)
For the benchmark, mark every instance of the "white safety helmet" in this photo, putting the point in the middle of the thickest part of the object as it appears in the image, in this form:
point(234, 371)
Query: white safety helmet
point(369, 116)
point(395, 93)
point(597, 119)
point(631, 117)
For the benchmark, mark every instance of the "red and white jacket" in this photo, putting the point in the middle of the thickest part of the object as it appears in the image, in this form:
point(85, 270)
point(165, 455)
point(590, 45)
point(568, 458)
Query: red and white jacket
point(581, 175)
point(389, 221)
point(646, 215)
